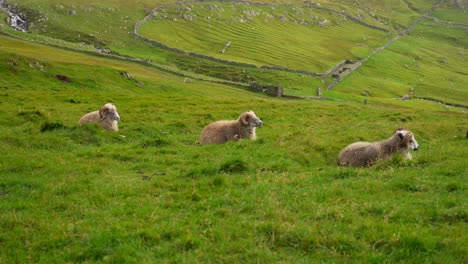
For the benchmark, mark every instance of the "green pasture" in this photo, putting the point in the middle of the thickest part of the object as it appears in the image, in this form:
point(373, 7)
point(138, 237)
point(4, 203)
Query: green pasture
point(84, 25)
point(148, 193)
point(296, 38)
point(431, 62)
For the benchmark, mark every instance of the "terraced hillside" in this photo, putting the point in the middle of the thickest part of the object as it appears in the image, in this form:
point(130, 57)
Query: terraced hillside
point(84, 26)
point(303, 38)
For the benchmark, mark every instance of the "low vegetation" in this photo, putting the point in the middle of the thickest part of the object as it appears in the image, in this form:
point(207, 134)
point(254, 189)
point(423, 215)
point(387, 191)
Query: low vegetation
point(283, 36)
point(149, 194)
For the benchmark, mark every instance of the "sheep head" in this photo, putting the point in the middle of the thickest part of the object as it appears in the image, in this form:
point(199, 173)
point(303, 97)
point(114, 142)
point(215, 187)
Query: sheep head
point(109, 111)
point(250, 119)
point(407, 139)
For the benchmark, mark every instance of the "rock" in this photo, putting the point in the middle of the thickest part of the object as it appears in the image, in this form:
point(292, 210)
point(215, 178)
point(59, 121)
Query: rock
point(283, 18)
point(443, 60)
point(104, 51)
point(189, 17)
point(37, 65)
point(215, 8)
point(226, 46)
point(126, 75)
point(63, 78)
point(251, 13)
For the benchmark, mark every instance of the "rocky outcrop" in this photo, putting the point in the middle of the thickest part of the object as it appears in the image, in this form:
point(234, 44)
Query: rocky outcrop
point(16, 19)
point(226, 46)
point(460, 5)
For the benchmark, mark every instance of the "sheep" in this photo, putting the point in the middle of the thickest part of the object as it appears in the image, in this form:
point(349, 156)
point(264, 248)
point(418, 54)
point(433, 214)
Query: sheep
point(220, 132)
point(107, 117)
point(362, 154)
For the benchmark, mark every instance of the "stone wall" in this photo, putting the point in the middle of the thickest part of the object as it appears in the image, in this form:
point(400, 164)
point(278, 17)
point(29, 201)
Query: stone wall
point(268, 89)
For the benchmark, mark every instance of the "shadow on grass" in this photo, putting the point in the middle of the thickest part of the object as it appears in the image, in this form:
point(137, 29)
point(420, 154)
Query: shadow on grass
point(230, 166)
point(88, 134)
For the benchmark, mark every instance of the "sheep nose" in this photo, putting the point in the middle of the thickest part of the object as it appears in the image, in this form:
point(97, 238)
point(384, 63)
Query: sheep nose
point(416, 148)
point(260, 123)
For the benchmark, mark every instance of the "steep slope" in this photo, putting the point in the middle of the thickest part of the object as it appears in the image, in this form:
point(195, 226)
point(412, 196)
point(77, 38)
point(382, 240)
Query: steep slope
point(304, 42)
point(148, 193)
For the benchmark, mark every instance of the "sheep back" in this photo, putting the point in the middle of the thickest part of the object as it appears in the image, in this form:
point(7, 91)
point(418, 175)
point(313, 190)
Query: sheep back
point(359, 154)
point(107, 117)
point(92, 117)
point(366, 153)
point(220, 132)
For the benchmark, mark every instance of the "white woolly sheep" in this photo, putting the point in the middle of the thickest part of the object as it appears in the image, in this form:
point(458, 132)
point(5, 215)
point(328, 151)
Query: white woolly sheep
point(361, 154)
point(107, 117)
point(222, 131)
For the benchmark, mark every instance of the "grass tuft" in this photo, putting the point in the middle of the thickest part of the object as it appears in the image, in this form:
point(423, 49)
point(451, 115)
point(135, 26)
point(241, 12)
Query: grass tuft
point(157, 142)
point(32, 116)
point(50, 126)
point(234, 165)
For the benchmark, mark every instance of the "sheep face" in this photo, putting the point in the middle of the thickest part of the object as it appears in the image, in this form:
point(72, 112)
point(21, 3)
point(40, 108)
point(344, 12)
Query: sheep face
point(250, 119)
point(109, 111)
point(407, 139)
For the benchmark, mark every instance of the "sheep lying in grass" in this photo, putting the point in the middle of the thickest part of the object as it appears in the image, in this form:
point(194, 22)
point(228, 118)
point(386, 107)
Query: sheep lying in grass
point(222, 131)
point(365, 153)
point(107, 117)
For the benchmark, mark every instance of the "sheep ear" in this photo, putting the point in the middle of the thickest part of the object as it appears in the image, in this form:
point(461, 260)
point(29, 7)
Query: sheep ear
point(103, 111)
point(406, 139)
point(245, 119)
point(401, 135)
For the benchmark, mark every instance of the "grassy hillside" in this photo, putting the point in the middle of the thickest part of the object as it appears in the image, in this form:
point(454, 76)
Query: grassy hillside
point(86, 26)
point(431, 61)
point(301, 38)
point(149, 194)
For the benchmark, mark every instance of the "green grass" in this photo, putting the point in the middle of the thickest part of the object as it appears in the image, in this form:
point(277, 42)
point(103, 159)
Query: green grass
point(452, 13)
point(149, 194)
point(263, 35)
point(108, 25)
point(430, 61)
